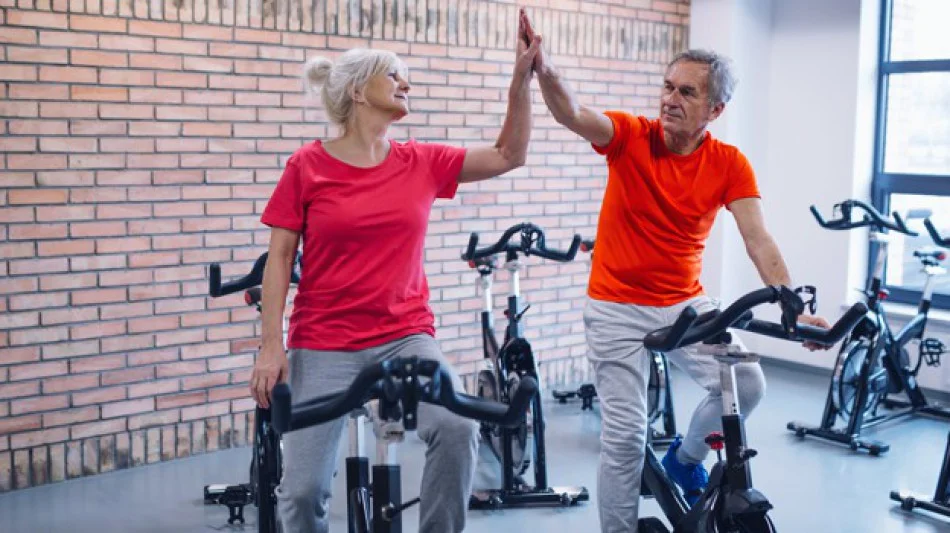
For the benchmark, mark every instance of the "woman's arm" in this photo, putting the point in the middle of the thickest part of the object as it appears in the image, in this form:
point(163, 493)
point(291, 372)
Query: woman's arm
point(511, 148)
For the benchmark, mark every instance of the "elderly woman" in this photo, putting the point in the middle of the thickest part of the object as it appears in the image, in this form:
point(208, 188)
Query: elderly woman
point(361, 204)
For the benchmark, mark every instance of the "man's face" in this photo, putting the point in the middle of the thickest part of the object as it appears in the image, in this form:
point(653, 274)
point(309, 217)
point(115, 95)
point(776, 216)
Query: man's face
point(684, 104)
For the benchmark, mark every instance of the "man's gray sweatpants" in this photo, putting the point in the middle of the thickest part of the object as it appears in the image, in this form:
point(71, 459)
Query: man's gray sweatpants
point(310, 454)
point(621, 367)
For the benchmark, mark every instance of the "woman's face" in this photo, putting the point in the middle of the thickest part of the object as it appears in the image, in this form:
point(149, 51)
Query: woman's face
point(389, 93)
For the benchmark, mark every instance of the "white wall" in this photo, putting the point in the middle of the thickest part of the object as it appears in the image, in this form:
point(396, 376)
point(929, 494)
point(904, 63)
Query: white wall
point(804, 115)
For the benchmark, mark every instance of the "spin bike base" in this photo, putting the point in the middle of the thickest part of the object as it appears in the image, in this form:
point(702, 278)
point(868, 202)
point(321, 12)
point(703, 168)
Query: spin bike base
point(855, 442)
point(553, 496)
point(909, 503)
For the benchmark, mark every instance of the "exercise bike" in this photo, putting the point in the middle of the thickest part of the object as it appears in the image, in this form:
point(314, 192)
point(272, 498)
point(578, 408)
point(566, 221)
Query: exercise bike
point(265, 468)
point(874, 362)
point(940, 503)
point(396, 387)
point(729, 503)
point(505, 367)
point(659, 392)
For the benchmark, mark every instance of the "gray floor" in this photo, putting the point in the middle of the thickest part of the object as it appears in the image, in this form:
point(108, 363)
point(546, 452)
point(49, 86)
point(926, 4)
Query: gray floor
point(816, 487)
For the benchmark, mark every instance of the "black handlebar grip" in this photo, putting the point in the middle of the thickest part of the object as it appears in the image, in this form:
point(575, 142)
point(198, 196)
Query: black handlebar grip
point(518, 406)
point(214, 278)
point(280, 412)
point(472, 245)
point(587, 245)
point(902, 226)
point(935, 235)
point(818, 217)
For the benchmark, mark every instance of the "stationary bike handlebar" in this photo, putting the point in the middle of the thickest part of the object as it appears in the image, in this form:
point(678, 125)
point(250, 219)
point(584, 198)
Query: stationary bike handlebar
point(396, 382)
point(935, 235)
point(532, 243)
point(252, 279)
point(690, 328)
point(872, 218)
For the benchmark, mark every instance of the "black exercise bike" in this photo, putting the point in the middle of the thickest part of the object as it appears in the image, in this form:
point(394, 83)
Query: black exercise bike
point(874, 362)
point(265, 469)
point(506, 366)
point(659, 392)
point(398, 385)
point(730, 503)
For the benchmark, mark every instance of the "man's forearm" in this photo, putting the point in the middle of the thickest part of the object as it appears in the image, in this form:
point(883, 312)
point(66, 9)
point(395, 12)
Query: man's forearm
point(516, 131)
point(557, 95)
point(769, 262)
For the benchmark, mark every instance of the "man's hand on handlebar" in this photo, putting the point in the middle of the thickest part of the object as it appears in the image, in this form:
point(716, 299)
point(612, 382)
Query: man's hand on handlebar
point(818, 322)
point(269, 370)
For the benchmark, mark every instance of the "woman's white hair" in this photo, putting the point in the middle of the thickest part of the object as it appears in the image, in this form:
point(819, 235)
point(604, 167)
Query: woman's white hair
point(337, 81)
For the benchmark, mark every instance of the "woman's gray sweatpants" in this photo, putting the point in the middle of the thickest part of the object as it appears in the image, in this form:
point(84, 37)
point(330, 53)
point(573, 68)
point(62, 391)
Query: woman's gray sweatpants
point(310, 454)
point(621, 367)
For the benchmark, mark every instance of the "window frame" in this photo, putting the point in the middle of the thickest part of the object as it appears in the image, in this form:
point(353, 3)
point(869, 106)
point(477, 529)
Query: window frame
point(883, 183)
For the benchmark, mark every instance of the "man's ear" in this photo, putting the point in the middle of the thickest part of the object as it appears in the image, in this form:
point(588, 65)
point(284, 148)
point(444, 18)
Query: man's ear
point(716, 111)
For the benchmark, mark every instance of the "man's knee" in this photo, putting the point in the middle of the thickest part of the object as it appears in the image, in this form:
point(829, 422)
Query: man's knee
point(750, 382)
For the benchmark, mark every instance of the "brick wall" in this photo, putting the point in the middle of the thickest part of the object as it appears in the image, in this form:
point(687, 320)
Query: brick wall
point(140, 141)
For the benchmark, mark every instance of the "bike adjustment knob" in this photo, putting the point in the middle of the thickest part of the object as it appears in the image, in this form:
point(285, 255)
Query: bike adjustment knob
point(716, 441)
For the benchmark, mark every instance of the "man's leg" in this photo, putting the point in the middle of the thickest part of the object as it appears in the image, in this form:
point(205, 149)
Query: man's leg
point(451, 447)
point(621, 365)
point(704, 369)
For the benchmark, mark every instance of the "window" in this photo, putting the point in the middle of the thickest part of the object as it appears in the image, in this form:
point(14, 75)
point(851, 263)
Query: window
point(912, 151)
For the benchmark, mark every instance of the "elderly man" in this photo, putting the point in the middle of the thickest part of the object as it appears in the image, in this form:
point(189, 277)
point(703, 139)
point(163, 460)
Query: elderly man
point(668, 178)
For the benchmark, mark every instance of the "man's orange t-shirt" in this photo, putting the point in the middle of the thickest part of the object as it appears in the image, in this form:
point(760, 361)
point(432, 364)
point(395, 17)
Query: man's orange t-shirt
point(658, 210)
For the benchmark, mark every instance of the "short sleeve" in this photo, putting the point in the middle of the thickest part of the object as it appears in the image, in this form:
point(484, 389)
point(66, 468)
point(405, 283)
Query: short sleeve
point(741, 182)
point(285, 207)
point(625, 127)
point(445, 165)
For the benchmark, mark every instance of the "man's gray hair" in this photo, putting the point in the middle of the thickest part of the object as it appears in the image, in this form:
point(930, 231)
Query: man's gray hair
point(722, 81)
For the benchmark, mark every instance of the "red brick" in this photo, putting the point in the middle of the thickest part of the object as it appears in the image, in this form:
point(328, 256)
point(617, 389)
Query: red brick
point(126, 343)
point(181, 79)
point(19, 109)
point(98, 396)
point(102, 262)
point(120, 111)
point(19, 54)
point(37, 370)
point(38, 91)
point(180, 113)
point(204, 411)
point(68, 39)
point(126, 77)
point(69, 74)
point(204, 381)
point(92, 429)
point(232, 50)
point(38, 266)
point(205, 97)
point(228, 393)
point(157, 29)
point(152, 161)
point(155, 61)
point(19, 390)
point(67, 144)
point(218, 81)
point(70, 383)
point(207, 129)
point(19, 320)
point(10, 425)
point(38, 127)
point(39, 403)
point(37, 231)
point(97, 296)
point(66, 110)
point(153, 324)
point(13, 250)
point(159, 418)
point(271, 68)
point(74, 280)
point(36, 19)
point(95, 229)
point(36, 161)
point(208, 64)
point(18, 36)
point(180, 400)
point(71, 417)
point(17, 144)
point(126, 42)
point(155, 96)
point(152, 388)
point(99, 59)
point(36, 196)
point(69, 315)
point(180, 46)
point(97, 330)
point(97, 24)
point(130, 277)
point(143, 405)
point(96, 127)
point(37, 438)
point(231, 362)
point(100, 94)
point(180, 369)
point(43, 300)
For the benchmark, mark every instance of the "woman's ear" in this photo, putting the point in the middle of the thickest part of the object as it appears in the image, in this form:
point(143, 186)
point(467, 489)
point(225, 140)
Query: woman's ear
point(357, 95)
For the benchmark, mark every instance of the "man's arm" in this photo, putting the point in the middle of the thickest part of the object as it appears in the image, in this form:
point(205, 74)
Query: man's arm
point(589, 124)
point(759, 244)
